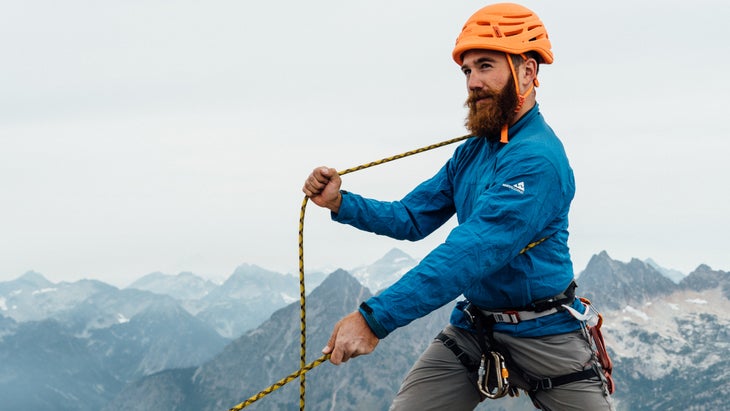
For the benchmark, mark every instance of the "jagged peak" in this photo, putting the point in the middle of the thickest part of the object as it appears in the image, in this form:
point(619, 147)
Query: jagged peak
point(250, 272)
point(188, 274)
point(598, 260)
point(393, 255)
point(33, 276)
point(157, 277)
point(148, 278)
point(704, 268)
point(704, 278)
point(164, 307)
point(672, 274)
point(33, 279)
point(338, 277)
point(156, 274)
point(247, 268)
point(620, 283)
point(337, 284)
point(601, 257)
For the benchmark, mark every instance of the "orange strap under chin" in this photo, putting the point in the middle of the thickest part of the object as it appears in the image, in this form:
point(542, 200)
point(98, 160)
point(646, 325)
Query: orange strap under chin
point(503, 137)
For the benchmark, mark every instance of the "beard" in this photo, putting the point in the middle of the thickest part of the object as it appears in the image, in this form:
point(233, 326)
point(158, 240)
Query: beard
point(488, 118)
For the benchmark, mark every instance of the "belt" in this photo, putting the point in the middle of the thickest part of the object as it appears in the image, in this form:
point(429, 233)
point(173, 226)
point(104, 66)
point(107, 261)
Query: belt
point(537, 309)
point(515, 317)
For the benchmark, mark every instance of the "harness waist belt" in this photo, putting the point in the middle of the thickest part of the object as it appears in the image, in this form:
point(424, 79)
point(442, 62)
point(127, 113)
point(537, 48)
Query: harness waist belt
point(514, 317)
point(537, 309)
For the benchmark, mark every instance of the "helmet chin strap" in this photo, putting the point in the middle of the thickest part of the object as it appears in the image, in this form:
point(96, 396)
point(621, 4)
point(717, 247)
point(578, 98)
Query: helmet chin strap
point(503, 137)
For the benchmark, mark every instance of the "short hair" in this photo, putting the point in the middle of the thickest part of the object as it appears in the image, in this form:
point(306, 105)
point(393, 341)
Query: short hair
point(517, 59)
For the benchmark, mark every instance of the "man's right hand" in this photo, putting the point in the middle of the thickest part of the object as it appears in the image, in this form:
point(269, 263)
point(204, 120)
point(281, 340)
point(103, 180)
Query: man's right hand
point(350, 338)
point(323, 188)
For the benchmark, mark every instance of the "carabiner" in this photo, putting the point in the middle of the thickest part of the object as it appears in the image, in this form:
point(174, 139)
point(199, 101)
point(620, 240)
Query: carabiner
point(500, 386)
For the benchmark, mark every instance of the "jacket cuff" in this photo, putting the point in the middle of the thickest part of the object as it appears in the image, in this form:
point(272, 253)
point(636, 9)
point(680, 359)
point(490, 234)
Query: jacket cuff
point(339, 216)
point(373, 323)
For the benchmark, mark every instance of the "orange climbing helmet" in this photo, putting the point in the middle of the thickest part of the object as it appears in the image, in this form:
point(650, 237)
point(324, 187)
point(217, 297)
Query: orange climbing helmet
point(506, 27)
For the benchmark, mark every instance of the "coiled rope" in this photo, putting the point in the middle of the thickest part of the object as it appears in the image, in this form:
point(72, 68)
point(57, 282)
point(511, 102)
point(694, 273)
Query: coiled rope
point(303, 366)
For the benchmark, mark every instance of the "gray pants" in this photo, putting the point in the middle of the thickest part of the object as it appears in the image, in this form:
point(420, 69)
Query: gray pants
point(439, 381)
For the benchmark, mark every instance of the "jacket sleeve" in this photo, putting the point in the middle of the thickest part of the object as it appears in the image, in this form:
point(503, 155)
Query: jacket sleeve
point(526, 195)
point(417, 215)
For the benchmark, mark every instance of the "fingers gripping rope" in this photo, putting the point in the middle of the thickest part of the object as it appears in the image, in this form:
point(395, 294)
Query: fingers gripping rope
point(303, 366)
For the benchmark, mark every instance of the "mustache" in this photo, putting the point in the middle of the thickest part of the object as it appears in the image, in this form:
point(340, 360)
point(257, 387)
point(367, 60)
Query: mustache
point(475, 96)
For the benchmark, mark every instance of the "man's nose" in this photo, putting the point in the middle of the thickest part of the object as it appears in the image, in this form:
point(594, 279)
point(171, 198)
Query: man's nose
point(473, 83)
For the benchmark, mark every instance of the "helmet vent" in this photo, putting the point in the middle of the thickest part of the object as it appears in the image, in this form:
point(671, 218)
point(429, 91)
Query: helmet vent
point(513, 32)
point(519, 16)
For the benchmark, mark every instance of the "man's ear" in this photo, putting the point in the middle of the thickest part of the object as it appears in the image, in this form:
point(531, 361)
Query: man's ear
point(529, 72)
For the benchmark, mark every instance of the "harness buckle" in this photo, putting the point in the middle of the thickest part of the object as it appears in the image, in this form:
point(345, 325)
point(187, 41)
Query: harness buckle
point(469, 315)
point(509, 317)
point(546, 384)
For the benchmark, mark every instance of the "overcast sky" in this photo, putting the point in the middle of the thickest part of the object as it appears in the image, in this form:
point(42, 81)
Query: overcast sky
point(144, 136)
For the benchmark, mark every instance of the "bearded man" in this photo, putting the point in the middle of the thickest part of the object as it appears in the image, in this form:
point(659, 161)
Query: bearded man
point(510, 186)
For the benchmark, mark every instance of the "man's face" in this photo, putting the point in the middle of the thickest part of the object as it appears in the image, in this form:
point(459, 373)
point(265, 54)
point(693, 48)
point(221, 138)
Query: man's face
point(492, 97)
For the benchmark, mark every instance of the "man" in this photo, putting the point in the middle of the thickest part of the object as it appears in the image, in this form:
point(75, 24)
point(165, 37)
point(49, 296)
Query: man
point(510, 186)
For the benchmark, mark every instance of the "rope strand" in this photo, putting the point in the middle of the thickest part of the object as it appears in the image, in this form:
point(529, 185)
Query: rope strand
point(302, 307)
point(282, 382)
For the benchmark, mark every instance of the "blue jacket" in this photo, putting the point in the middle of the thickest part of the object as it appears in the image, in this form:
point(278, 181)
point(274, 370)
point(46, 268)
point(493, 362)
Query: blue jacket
point(505, 196)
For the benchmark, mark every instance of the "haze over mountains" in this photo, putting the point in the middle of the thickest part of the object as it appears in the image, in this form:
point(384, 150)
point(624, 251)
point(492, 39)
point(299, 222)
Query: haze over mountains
point(183, 343)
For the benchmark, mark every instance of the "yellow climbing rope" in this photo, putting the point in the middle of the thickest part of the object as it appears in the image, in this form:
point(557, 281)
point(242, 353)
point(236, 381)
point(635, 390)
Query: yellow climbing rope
point(303, 366)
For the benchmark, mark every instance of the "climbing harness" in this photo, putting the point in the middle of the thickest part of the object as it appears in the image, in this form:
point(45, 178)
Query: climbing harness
point(303, 366)
point(492, 373)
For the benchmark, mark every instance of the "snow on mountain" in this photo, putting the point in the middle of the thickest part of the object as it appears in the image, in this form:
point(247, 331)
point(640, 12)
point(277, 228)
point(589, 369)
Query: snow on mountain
point(384, 271)
point(184, 286)
point(664, 317)
point(669, 339)
point(105, 309)
point(32, 298)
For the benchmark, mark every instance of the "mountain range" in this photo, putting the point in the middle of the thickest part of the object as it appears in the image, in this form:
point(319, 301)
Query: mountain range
point(184, 343)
